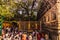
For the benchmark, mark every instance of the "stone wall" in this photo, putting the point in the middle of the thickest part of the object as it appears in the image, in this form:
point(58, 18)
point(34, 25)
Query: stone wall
point(27, 25)
point(50, 20)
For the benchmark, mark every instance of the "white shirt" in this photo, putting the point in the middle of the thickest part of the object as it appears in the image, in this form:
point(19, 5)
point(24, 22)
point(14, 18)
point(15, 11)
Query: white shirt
point(30, 37)
point(42, 39)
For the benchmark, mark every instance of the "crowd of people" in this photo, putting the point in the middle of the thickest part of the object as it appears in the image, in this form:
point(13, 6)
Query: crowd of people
point(20, 35)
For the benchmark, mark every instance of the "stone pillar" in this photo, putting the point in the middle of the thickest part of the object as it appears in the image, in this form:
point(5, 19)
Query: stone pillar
point(40, 26)
point(19, 25)
point(28, 26)
point(59, 37)
point(0, 37)
point(58, 13)
point(58, 17)
point(36, 24)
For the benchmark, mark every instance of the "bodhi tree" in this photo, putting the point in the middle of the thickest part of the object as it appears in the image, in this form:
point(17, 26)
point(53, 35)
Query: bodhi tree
point(19, 9)
point(27, 9)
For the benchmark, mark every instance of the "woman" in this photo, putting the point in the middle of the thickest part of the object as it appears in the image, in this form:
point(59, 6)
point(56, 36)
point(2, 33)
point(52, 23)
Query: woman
point(24, 37)
point(30, 37)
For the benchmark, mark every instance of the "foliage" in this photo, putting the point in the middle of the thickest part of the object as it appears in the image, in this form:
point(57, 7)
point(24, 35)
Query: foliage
point(6, 10)
point(9, 9)
point(27, 7)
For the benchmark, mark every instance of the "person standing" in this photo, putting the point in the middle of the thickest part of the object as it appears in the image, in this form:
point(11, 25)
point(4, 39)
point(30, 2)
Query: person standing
point(39, 36)
point(24, 37)
point(30, 37)
point(42, 38)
